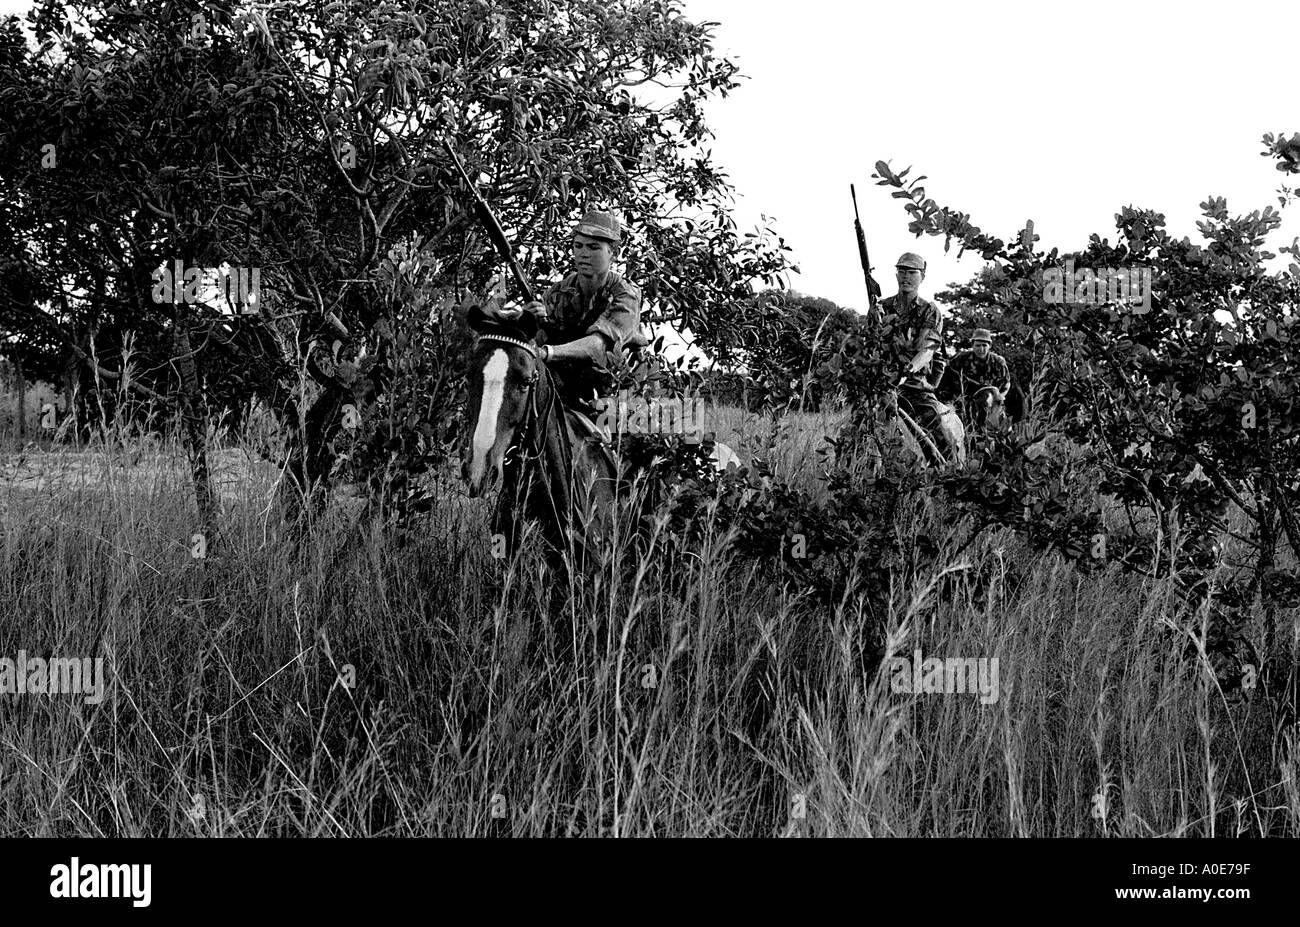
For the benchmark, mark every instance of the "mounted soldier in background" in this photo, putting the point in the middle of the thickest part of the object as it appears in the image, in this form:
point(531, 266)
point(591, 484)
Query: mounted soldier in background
point(980, 379)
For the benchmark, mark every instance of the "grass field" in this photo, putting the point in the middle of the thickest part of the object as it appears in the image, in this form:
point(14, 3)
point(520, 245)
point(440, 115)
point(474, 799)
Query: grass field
point(370, 683)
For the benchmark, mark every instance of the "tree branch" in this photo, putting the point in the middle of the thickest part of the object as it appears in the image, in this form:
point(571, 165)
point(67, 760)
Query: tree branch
point(52, 324)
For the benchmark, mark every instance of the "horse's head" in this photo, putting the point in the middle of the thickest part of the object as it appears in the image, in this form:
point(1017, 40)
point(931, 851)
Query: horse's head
point(990, 407)
point(502, 373)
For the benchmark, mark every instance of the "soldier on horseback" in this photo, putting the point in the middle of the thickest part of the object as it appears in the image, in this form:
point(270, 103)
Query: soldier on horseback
point(592, 311)
point(916, 327)
point(536, 374)
point(975, 370)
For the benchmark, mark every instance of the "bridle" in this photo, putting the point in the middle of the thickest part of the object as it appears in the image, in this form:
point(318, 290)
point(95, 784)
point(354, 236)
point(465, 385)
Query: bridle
point(504, 339)
point(530, 386)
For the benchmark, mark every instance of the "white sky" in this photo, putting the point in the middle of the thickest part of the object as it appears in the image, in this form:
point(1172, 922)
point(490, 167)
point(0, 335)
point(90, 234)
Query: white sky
point(1013, 110)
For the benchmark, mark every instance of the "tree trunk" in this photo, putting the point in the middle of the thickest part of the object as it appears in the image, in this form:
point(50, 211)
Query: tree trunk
point(71, 380)
point(1264, 565)
point(22, 397)
point(194, 426)
point(311, 456)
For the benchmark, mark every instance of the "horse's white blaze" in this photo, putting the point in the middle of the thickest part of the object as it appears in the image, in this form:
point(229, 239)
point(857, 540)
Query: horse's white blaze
point(723, 457)
point(489, 410)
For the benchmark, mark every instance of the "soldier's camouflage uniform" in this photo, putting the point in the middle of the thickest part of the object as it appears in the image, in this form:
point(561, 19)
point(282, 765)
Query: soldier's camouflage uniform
point(972, 373)
point(614, 312)
point(914, 327)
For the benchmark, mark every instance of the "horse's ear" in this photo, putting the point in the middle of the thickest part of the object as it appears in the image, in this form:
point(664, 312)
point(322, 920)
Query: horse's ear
point(514, 322)
point(527, 324)
point(476, 318)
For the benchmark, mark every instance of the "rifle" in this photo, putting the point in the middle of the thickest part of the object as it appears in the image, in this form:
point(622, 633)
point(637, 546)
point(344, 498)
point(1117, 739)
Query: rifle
point(873, 288)
point(492, 226)
point(922, 436)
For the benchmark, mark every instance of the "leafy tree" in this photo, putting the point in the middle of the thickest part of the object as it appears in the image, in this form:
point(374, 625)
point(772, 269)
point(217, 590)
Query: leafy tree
point(1186, 408)
point(306, 139)
point(786, 342)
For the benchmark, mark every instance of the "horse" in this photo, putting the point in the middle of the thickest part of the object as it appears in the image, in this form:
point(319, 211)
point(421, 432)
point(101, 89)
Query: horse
point(983, 403)
point(921, 443)
point(547, 461)
point(551, 464)
point(988, 408)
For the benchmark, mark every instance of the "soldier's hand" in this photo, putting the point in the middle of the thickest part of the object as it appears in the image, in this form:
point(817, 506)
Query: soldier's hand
point(537, 308)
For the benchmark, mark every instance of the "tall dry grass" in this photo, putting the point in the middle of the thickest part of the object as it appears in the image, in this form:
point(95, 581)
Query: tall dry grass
point(681, 693)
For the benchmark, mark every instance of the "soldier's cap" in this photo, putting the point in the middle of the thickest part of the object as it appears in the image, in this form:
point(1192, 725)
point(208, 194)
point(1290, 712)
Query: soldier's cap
point(914, 261)
point(600, 225)
point(982, 334)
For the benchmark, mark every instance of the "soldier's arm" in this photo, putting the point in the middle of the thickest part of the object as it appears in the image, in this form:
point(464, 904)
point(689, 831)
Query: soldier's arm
point(588, 348)
point(619, 322)
point(1005, 386)
point(928, 340)
point(613, 329)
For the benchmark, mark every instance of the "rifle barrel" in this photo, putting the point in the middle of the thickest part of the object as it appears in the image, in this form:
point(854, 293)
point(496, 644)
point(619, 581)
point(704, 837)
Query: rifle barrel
point(492, 226)
point(873, 288)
